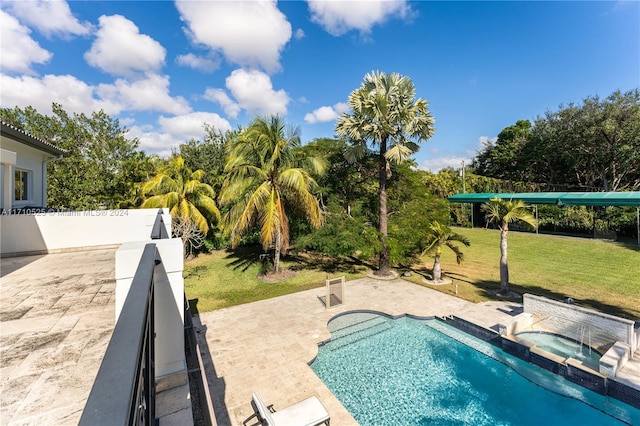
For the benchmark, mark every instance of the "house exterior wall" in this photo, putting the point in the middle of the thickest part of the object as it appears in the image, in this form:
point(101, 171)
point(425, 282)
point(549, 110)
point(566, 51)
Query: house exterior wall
point(33, 162)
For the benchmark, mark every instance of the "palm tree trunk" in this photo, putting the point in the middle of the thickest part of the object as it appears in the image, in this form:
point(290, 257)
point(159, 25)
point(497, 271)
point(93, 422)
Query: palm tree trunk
point(276, 254)
point(383, 268)
point(504, 267)
point(437, 269)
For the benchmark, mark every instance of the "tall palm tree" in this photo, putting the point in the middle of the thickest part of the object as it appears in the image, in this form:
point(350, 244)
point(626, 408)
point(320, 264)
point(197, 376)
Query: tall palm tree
point(502, 213)
point(180, 190)
point(441, 235)
point(383, 111)
point(265, 170)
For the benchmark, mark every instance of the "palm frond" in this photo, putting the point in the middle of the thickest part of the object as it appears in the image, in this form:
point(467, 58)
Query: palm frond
point(398, 153)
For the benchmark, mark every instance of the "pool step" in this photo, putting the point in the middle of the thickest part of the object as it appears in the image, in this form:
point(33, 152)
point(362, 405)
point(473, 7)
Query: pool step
point(359, 334)
point(351, 320)
point(356, 326)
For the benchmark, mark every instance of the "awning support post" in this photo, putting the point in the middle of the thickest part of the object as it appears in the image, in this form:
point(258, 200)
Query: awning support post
point(638, 224)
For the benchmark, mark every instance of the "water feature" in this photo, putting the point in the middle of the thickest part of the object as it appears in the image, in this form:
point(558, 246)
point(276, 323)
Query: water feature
point(423, 372)
point(564, 346)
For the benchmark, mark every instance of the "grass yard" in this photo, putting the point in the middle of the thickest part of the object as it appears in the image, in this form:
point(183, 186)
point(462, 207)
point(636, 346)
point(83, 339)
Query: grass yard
point(229, 278)
point(597, 274)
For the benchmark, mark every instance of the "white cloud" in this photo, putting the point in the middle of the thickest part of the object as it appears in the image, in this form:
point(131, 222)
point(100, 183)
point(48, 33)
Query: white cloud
point(437, 164)
point(120, 49)
point(252, 91)
point(74, 95)
point(299, 34)
point(176, 130)
point(189, 126)
point(150, 93)
point(19, 50)
point(231, 108)
point(199, 63)
point(326, 113)
point(49, 17)
point(248, 33)
point(153, 142)
point(339, 17)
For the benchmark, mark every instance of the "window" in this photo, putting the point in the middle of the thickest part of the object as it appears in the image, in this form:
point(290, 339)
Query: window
point(21, 185)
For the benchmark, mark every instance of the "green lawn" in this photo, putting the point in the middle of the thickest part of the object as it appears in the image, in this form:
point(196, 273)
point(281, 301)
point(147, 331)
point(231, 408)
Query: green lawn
point(597, 274)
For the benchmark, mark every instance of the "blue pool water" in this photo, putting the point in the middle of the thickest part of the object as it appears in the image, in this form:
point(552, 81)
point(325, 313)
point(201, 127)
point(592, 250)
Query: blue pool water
point(417, 372)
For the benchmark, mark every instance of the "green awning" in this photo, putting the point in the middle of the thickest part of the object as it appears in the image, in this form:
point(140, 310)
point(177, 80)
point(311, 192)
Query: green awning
point(559, 198)
point(600, 199)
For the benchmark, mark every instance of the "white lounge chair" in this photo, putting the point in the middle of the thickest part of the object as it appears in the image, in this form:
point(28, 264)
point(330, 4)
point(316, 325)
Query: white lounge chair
point(308, 412)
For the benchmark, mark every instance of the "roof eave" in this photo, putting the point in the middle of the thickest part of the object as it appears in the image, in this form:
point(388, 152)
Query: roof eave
point(14, 133)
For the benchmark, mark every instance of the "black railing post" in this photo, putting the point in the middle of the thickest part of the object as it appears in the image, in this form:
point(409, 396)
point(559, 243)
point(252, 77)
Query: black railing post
point(158, 232)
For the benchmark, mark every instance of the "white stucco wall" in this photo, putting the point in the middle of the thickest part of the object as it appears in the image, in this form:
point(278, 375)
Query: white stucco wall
point(169, 298)
point(580, 323)
point(50, 232)
point(32, 160)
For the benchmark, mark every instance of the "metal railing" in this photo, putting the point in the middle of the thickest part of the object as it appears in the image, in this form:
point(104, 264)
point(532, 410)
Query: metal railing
point(159, 232)
point(124, 390)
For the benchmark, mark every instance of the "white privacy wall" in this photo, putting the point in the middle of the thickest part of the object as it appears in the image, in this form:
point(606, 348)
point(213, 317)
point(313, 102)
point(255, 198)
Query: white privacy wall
point(580, 323)
point(51, 232)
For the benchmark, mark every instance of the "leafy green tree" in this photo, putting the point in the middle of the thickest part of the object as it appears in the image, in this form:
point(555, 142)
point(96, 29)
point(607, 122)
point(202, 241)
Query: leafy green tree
point(384, 112)
point(266, 171)
point(342, 235)
point(502, 159)
point(345, 182)
point(101, 165)
point(181, 190)
point(411, 209)
point(209, 154)
point(593, 145)
point(502, 213)
point(441, 235)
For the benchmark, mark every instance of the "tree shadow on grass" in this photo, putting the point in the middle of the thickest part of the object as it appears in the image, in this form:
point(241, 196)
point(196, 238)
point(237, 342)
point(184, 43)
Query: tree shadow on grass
point(330, 265)
point(243, 258)
point(630, 244)
point(488, 286)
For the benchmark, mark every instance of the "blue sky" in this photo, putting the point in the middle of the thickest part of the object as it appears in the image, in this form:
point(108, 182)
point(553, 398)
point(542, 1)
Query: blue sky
point(165, 67)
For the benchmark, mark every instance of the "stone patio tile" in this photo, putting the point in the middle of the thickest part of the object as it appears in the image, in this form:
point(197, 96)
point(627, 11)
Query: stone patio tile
point(50, 356)
point(66, 322)
point(29, 325)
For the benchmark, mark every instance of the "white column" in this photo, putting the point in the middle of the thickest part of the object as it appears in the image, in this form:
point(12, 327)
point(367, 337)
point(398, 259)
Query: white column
point(7, 191)
point(8, 160)
point(169, 299)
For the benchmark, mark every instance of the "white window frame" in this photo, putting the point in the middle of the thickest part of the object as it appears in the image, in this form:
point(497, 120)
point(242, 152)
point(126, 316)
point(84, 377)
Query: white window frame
point(28, 174)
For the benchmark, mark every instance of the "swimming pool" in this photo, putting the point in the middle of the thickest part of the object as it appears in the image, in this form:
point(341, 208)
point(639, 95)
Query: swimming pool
point(414, 372)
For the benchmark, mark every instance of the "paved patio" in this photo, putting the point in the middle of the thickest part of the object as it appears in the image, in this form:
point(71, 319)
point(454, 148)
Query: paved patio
point(56, 320)
point(57, 317)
